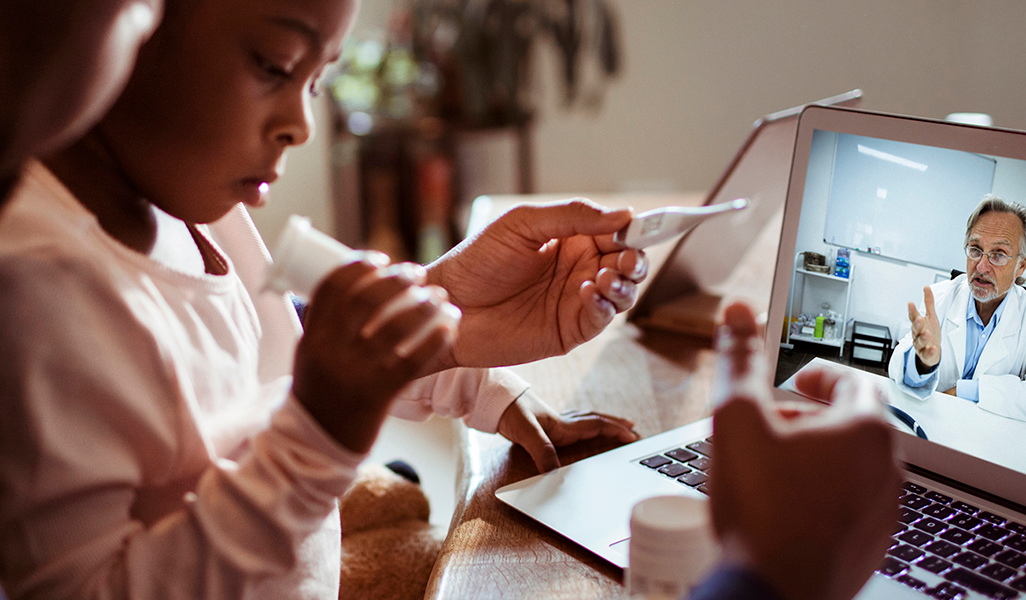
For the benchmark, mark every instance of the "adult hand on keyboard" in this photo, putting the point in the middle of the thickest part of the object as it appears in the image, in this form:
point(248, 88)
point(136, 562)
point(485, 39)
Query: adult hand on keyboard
point(806, 500)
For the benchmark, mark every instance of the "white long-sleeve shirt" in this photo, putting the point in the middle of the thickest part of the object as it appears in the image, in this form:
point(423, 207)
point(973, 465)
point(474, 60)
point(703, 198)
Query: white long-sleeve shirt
point(149, 447)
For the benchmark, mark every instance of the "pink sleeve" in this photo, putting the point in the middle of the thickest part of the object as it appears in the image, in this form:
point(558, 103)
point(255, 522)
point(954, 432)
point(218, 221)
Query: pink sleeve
point(94, 442)
point(478, 396)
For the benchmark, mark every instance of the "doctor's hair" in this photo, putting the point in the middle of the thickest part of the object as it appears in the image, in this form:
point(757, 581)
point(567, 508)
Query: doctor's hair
point(992, 203)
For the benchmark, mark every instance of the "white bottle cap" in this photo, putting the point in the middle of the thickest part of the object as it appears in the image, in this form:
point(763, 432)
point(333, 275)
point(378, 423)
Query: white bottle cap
point(303, 256)
point(970, 118)
point(671, 545)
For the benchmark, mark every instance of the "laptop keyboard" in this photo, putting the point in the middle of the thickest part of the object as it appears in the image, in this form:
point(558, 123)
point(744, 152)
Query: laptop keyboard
point(942, 547)
point(688, 465)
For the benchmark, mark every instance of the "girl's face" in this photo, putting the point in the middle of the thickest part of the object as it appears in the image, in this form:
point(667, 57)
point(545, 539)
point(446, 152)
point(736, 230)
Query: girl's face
point(66, 60)
point(218, 95)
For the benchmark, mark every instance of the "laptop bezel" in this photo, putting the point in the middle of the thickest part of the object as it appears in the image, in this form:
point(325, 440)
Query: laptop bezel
point(951, 464)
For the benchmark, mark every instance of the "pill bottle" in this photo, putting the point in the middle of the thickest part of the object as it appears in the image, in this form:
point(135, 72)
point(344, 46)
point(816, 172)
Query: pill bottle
point(303, 256)
point(671, 546)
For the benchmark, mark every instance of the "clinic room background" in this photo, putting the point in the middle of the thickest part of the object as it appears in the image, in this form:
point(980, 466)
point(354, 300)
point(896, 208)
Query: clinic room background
point(900, 211)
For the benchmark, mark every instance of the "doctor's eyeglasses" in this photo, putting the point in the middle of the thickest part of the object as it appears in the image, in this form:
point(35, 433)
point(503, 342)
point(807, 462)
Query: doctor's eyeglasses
point(998, 259)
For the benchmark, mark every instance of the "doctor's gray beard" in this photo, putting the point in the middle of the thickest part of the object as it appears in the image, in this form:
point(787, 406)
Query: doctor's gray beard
point(985, 295)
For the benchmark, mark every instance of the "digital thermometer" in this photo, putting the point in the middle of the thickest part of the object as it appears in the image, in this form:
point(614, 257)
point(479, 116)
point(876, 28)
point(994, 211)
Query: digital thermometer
point(661, 224)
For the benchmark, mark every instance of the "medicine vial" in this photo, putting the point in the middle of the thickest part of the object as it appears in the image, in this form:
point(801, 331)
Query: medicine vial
point(303, 256)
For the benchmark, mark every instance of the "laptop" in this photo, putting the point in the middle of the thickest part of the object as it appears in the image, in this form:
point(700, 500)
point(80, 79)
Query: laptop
point(690, 289)
point(683, 297)
point(962, 529)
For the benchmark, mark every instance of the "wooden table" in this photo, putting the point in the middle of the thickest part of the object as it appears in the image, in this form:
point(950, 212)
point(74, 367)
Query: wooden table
point(660, 380)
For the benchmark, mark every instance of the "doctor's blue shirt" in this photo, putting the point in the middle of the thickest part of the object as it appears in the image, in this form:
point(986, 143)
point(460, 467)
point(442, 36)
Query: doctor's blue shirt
point(976, 336)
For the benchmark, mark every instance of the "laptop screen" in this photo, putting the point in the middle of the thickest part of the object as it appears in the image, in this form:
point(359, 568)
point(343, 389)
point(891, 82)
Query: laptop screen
point(877, 209)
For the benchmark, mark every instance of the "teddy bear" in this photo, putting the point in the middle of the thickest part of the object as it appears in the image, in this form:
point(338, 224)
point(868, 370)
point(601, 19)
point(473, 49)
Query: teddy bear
point(388, 546)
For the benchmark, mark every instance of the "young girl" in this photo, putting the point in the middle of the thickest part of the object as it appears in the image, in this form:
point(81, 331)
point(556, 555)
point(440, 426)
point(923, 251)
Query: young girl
point(167, 430)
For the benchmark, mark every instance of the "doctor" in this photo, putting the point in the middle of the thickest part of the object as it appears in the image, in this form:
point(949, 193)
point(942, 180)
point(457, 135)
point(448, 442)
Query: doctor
point(970, 341)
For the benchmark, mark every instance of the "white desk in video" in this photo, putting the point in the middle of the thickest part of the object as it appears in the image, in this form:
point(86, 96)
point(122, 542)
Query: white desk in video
point(951, 421)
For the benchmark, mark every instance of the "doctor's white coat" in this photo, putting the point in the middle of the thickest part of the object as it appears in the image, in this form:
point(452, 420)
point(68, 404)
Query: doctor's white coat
point(1002, 365)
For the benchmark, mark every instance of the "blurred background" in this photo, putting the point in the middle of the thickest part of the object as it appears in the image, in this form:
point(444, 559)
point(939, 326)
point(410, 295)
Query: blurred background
point(438, 101)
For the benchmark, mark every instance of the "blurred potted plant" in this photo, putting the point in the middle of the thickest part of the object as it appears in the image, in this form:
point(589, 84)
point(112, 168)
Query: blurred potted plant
point(469, 62)
point(484, 49)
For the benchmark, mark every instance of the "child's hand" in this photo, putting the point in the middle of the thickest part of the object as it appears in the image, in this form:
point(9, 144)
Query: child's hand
point(534, 425)
point(369, 331)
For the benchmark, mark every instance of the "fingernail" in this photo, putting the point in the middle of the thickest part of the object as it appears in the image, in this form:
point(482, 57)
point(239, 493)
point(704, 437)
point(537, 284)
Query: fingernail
point(378, 259)
point(724, 338)
point(421, 295)
point(619, 261)
point(640, 266)
point(416, 273)
point(452, 311)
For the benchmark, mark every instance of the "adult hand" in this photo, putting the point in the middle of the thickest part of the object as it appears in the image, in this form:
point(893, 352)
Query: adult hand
point(534, 425)
point(539, 281)
point(369, 330)
point(808, 502)
point(926, 332)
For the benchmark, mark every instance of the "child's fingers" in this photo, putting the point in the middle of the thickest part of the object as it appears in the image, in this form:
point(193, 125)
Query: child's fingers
point(405, 301)
point(409, 318)
point(364, 302)
point(585, 426)
point(412, 273)
point(447, 318)
point(854, 401)
point(439, 339)
point(331, 305)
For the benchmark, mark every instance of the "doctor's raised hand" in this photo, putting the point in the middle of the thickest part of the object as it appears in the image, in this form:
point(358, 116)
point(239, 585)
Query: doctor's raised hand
point(539, 281)
point(926, 333)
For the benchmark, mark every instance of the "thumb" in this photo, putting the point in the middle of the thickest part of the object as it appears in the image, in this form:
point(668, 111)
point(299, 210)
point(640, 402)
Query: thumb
point(931, 312)
point(854, 397)
point(818, 383)
point(578, 216)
